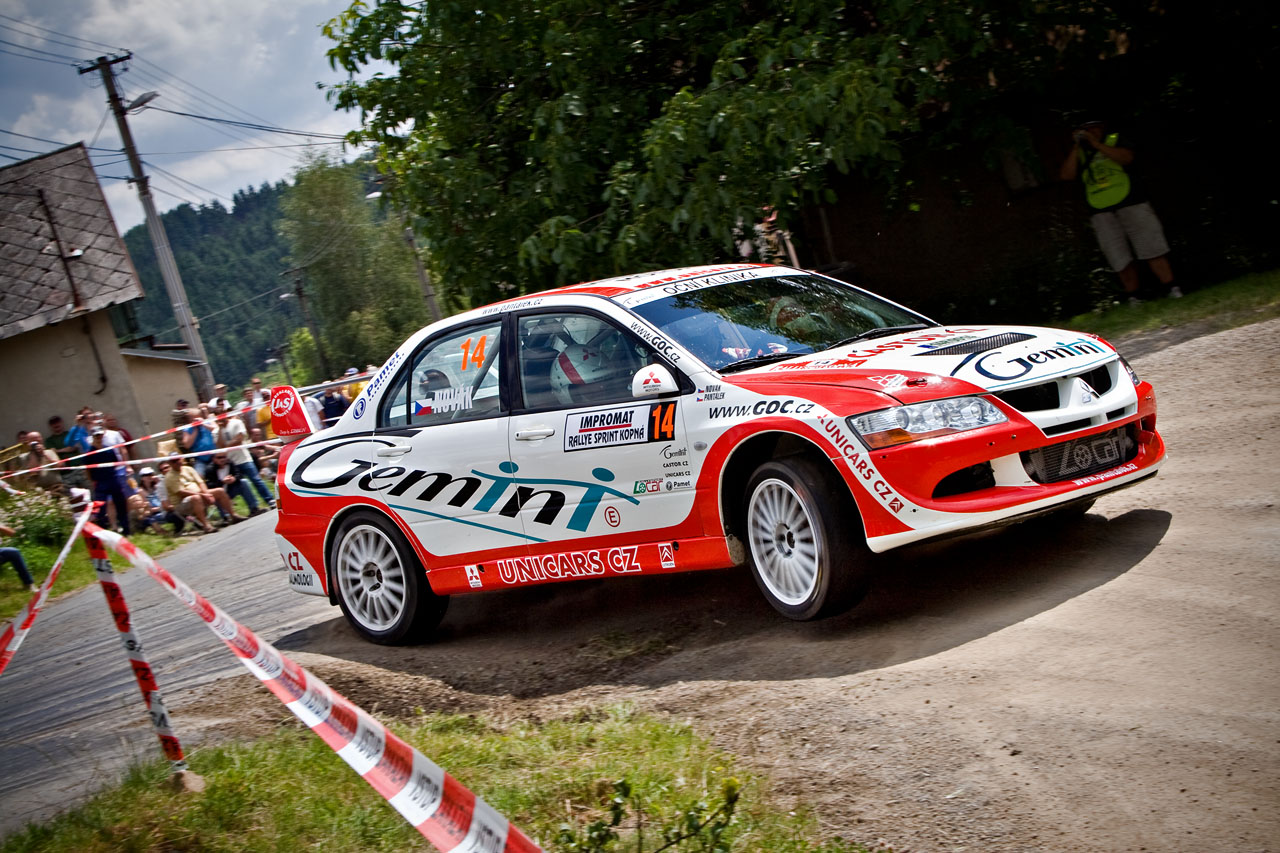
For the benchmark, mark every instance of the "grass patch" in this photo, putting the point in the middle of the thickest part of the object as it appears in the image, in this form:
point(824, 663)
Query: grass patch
point(290, 792)
point(76, 572)
point(1234, 303)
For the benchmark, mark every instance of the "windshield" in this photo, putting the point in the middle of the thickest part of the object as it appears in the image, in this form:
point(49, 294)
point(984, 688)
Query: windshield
point(780, 317)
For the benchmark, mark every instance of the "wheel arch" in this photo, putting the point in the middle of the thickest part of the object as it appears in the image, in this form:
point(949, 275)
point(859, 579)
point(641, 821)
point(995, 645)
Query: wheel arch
point(335, 524)
point(762, 447)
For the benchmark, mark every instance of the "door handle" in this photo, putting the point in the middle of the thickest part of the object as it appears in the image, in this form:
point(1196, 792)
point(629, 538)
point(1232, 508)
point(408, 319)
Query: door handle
point(534, 434)
point(391, 452)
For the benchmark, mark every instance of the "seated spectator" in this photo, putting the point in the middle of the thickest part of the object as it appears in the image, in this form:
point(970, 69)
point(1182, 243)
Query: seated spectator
point(333, 402)
point(37, 456)
point(183, 482)
point(146, 510)
point(222, 474)
point(190, 508)
point(14, 557)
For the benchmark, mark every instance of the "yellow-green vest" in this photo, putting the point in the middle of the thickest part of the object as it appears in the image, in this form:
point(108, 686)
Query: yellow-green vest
point(1105, 182)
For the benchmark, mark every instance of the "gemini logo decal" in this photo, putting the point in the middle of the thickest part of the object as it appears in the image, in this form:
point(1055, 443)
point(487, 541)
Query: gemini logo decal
point(503, 494)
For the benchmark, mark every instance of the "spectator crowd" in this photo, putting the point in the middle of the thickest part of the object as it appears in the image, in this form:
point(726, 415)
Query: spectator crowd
point(175, 495)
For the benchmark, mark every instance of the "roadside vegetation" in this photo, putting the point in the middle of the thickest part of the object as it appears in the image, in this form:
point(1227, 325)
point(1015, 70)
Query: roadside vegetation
point(557, 781)
point(42, 525)
point(1239, 302)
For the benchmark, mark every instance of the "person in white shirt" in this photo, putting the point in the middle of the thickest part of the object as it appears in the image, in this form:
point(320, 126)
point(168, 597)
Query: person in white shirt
point(234, 435)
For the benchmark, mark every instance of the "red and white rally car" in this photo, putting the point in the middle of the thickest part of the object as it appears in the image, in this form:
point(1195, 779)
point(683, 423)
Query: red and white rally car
point(692, 419)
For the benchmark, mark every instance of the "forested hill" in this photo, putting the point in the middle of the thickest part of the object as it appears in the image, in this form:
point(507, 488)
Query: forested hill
point(230, 261)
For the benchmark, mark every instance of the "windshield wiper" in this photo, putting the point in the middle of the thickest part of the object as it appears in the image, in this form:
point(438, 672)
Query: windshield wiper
point(879, 332)
point(757, 360)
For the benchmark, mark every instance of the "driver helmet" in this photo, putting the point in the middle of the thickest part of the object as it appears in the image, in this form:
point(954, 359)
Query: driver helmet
point(579, 369)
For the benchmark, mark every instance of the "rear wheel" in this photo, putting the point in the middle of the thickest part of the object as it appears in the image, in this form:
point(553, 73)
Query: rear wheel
point(380, 585)
point(802, 554)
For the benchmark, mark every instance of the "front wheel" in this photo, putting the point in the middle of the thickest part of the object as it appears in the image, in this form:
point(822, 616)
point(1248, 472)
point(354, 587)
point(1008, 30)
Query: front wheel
point(380, 585)
point(802, 555)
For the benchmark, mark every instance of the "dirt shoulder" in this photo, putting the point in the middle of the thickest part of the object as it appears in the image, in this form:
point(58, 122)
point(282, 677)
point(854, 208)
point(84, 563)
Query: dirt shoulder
point(1106, 684)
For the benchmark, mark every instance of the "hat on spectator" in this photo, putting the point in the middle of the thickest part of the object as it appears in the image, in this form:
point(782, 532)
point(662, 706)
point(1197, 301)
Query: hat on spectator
point(351, 371)
point(97, 431)
point(147, 472)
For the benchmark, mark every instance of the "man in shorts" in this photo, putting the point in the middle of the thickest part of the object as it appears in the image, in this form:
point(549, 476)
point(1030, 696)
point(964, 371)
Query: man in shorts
point(1123, 219)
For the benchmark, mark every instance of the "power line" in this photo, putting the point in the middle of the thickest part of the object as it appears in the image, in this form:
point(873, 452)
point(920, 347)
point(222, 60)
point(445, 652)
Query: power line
point(36, 58)
point(54, 141)
point(97, 44)
point(187, 183)
point(38, 50)
point(251, 126)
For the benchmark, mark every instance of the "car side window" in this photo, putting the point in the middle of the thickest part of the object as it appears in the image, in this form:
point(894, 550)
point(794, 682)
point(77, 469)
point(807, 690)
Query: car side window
point(452, 378)
point(576, 359)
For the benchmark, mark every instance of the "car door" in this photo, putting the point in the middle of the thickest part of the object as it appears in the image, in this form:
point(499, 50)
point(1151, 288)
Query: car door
point(588, 460)
point(439, 451)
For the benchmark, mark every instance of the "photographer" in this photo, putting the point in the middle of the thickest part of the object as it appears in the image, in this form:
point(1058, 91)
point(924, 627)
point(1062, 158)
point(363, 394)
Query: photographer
point(1123, 219)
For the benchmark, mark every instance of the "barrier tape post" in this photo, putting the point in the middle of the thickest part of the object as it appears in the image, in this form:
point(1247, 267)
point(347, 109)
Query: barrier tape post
point(447, 814)
point(16, 631)
point(183, 778)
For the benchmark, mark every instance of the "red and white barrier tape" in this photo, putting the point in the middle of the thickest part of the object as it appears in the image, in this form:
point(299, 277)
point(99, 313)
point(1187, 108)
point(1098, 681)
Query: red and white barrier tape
point(350, 380)
point(447, 814)
point(60, 467)
point(133, 651)
point(16, 631)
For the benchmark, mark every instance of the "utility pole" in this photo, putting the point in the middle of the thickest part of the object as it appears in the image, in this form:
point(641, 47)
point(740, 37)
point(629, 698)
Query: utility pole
point(159, 240)
point(296, 272)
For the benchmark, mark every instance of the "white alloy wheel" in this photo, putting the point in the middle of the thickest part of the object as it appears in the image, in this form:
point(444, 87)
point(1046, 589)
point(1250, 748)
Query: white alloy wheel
point(800, 523)
point(371, 577)
point(785, 543)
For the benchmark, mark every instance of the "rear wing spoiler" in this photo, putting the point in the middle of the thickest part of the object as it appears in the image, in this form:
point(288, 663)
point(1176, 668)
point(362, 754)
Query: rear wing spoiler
point(289, 418)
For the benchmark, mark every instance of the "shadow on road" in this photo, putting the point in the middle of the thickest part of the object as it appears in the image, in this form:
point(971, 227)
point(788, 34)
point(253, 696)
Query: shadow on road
point(715, 625)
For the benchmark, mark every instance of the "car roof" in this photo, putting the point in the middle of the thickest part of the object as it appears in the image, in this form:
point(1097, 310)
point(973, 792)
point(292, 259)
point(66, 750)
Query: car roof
point(622, 285)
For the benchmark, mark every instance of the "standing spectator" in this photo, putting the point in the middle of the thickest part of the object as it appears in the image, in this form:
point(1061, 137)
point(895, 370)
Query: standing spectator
point(1123, 219)
point(182, 482)
point(114, 436)
point(315, 412)
point(197, 438)
point(78, 435)
point(265, 457)
point(234, 435)
point(334, 402)
point(219, 398)
point(107, 484)
point(14, 557)
point(260, 394)
point(60, 442)
point(221, 474)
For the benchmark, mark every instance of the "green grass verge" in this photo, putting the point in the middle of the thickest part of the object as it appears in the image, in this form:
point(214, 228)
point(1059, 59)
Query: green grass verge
point(1238, 302)
point(290, 792)
point(76, 572)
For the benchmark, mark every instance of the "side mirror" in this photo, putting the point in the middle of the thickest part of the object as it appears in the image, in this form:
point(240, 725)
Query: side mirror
point(653, 380)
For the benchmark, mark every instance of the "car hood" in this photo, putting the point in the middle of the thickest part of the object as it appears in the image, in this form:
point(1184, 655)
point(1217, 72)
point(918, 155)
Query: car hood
point(941, 361)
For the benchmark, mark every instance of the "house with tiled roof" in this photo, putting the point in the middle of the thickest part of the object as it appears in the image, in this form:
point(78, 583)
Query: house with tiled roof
point(65, 283)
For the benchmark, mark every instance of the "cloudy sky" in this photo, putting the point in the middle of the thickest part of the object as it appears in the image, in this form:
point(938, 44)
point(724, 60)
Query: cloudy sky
point(243, 60)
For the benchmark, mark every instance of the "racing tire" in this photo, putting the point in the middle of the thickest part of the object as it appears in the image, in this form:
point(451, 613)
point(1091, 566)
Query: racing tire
point(380, 584)
point(803, 556)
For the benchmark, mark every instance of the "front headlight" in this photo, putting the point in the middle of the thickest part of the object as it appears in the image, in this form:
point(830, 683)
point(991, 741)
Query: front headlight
point(925, 420)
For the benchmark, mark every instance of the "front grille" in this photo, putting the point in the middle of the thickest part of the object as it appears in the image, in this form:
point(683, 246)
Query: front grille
point(1080, 457)
point(970, 479)
point(1037, 398)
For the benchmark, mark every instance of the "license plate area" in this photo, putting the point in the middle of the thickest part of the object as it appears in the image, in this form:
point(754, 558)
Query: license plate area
point(1080, 457)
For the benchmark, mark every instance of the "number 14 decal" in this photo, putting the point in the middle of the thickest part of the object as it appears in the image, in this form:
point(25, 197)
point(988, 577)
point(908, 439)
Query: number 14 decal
point(662, 422)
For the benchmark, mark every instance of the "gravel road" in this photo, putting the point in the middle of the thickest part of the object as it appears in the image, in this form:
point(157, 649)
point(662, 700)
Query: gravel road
point(1105, 684)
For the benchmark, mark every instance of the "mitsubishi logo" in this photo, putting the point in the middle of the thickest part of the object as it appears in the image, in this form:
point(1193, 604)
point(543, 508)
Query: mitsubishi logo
point(1087, 394)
